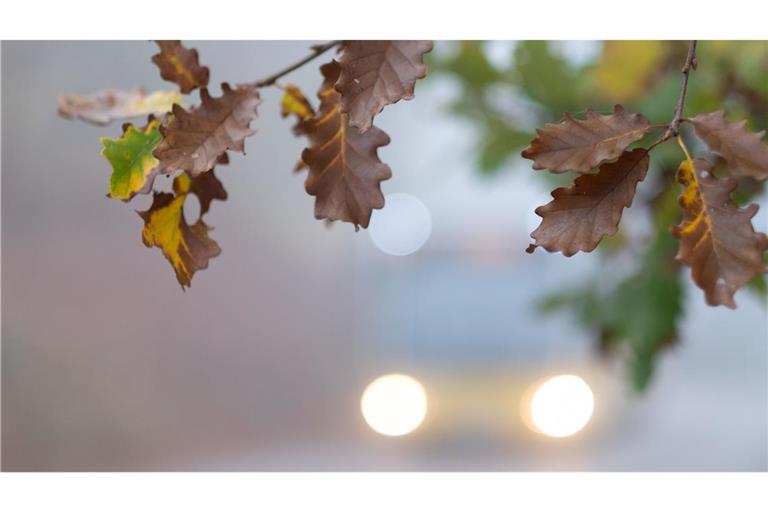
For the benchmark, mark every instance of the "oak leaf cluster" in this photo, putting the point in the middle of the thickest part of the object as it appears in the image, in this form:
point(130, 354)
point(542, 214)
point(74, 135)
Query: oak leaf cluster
point(344, 170)
point(188, 142)
point(716, 238)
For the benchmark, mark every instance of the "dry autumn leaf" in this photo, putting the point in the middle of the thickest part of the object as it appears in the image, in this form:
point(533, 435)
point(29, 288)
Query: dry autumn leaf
point(195, 139)
point(207, 187)
point(375, 74)
point(581, 145)
point(108, 105)
point(187, 248)
point(580, 216)
point(717, 239)
point(344, 168)
point(180, 66)
point(745, 151)
point(295, 103)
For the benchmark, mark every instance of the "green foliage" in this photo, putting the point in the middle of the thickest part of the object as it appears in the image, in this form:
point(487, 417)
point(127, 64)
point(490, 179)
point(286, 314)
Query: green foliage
point(471, 65)
point(499, 143)
point(546, 77)
point(759, 287)
point(653, 296)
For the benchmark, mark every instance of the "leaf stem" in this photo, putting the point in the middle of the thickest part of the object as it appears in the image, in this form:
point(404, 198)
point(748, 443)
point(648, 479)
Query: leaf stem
point(316, 52)
point(681, 143)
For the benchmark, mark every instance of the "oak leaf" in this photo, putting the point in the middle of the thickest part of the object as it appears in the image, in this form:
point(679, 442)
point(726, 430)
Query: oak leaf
point(180, 66)
point(580, 216)
point(295, 103)
point(717, 239)
point(107, 105)
point(187, 248)
point(344, 168)
point(207, 187)
point(580, 145)
point(196, 138)
point(745, 151)
point(133, 164)
point(375, 74)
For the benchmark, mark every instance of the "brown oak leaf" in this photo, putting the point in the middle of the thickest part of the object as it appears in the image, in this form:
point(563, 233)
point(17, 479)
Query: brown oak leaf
point(187, 248)
point(717, 239)
point(207, 187)
point(344, 168)
point(195, 139)
point(375, 74)
point(745, 151)
point(580, 216)
point(581, 145)
point(180, 66)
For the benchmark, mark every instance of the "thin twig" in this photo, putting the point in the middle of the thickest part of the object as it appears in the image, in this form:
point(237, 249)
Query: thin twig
point(690, 62)
point(317, 51)
point(673, 129)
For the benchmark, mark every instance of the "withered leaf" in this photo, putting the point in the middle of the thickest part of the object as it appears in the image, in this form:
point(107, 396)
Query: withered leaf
point(581, 145)
point(295, 103)
point(180, 66)
point(344, 168)
point(375, 74)
point(717, 239)
point(580, 216)
point(187, 248)
point(107, 105)
point(194, 139)
point(745, 151)
point(207, 187)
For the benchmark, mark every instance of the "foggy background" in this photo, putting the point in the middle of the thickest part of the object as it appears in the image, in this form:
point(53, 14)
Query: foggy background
point(108, 365)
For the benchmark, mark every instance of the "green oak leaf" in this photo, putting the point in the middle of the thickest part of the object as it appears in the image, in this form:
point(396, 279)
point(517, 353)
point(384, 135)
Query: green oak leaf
point(470, 65)
point(546, 77)
point(648, 306)
point(133, 164)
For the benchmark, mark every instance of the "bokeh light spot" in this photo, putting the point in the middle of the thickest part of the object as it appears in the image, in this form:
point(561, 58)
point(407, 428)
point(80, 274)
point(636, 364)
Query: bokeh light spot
point(561, 406)
point(394, 405)
point(402, 226)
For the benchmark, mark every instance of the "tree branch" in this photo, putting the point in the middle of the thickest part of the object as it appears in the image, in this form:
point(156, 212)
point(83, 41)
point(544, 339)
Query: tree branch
point(317, 51)
point(690, 63)
point(673, 129)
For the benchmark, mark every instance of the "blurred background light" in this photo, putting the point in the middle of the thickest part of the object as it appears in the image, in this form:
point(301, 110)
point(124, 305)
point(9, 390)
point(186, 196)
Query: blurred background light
point(561, 406)
point(402, 226)
point(394, 405)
